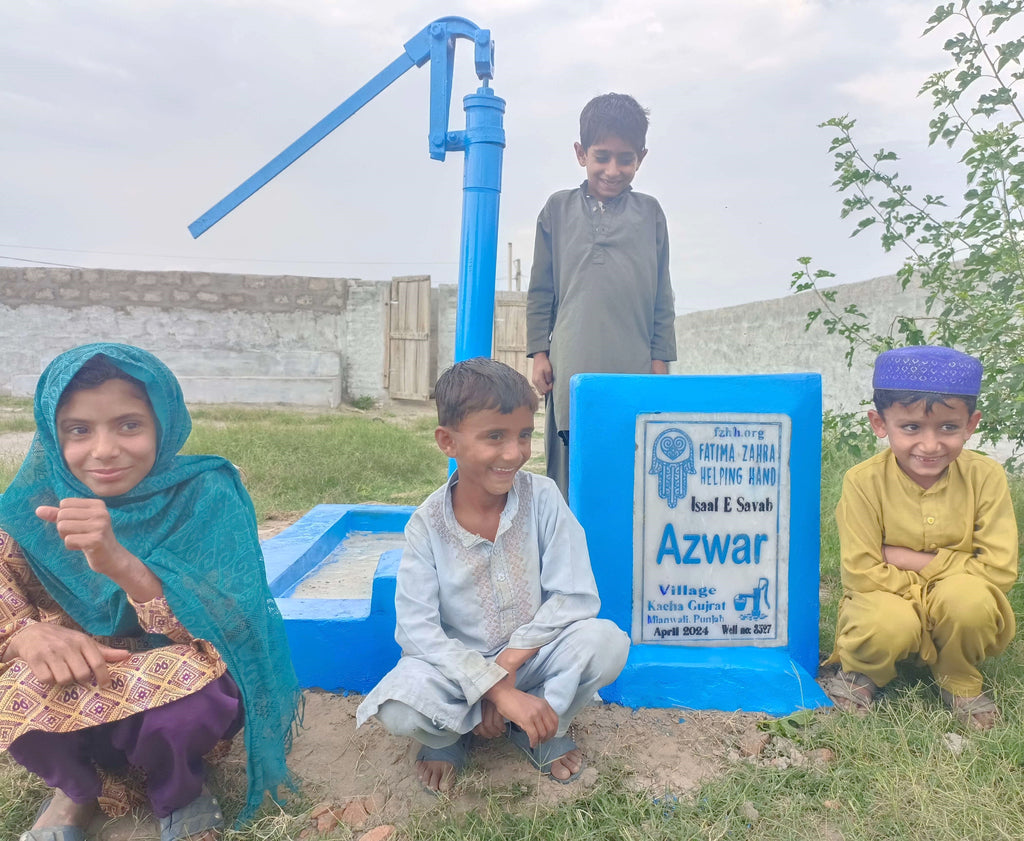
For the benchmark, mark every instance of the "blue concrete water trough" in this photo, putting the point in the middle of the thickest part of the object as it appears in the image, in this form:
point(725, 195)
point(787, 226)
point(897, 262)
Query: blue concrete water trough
point(341, 632)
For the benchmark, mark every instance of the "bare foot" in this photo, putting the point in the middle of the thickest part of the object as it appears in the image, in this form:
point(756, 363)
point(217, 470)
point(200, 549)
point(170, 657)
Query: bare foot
point(565, 766)
point(63, 811)
point(435, 775)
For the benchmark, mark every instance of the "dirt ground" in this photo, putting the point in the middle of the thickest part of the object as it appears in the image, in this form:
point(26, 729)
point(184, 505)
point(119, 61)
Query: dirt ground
point(662, 751)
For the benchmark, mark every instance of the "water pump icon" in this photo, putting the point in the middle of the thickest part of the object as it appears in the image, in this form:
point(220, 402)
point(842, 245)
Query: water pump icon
point(741, 600)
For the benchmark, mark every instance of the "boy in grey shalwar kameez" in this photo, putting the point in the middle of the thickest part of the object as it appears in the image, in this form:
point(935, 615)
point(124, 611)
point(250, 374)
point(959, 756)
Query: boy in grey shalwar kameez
point(495, 602)
point(600, 297)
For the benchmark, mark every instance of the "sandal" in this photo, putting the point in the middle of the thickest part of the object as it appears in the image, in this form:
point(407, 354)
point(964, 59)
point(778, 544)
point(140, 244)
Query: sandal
point(199, 816)
point(66, 832)
point(542, 756)
point(455, 754)
point(977, 713)
point(852, 692)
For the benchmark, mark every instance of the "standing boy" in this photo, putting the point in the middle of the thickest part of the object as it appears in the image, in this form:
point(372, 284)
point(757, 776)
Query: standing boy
point(495, 601)
point(928, 540)
point(600, 297)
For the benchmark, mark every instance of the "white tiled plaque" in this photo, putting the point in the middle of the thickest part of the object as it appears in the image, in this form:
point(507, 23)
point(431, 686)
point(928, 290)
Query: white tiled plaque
point(711, 542)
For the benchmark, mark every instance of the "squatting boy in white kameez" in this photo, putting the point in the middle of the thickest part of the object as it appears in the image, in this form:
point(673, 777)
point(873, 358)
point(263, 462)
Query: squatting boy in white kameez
point(928, 540)
point(496, 602)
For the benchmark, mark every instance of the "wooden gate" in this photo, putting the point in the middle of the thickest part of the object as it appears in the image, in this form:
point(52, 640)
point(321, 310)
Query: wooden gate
point(510, 331)
point(409, 366)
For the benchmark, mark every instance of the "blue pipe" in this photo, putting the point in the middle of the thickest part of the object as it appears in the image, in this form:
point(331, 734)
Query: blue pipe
point(484, 142)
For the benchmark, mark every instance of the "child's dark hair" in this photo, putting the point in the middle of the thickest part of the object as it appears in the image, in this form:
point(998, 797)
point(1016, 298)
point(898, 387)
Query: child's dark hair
point(886, 397)
point(93, 374)
point(478, 384)
point(614, 115)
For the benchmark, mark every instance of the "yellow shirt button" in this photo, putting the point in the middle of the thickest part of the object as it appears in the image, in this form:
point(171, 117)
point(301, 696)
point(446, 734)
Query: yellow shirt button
point(930, 520)
point(934, 546)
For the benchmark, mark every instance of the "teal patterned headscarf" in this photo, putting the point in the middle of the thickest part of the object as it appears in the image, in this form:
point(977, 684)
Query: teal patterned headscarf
point(192, 523)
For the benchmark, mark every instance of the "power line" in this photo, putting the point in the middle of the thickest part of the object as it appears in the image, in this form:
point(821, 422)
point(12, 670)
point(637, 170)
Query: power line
point(39, 262)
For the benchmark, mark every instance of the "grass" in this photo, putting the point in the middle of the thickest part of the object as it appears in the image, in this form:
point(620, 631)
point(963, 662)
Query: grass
point(293, 460)
point(896, 773)
point(15, 416)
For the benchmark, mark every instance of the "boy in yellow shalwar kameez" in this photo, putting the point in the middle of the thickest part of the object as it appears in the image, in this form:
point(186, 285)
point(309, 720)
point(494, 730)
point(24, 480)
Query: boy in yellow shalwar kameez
point(928, 540)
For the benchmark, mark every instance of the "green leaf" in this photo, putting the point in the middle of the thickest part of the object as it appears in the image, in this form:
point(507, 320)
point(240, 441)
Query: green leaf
point(866, 222)
point(793, 726)
point(1010, 51)
point(966, 257)
point(940, 14)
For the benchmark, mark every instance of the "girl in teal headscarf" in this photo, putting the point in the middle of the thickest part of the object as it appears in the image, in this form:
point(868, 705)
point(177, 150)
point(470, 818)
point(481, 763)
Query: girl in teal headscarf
point(136, 625)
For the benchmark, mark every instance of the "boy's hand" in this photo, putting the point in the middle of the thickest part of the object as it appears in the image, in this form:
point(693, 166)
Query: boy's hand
point(501, 698)
point(533, 715)
point(907, 559)
point(59, 655)
point(658, 366)
point(543, 375)
point(84, 524)
point(492, 723)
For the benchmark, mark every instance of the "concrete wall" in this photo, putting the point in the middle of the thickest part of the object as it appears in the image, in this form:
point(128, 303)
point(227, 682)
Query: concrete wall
point(768, 337)
point(319, 341)
point(234, 338)
point(445, 300)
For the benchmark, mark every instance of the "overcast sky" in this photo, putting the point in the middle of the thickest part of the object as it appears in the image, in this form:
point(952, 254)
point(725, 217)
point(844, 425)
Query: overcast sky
point(121, 121)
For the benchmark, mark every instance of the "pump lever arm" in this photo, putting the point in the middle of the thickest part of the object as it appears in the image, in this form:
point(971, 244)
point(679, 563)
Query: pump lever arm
point(436, 43)
point(297, 149)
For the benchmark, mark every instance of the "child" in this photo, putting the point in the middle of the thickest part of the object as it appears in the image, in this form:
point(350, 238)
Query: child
point(928, 539)
point(600, 298)
point(495, 601)
point(136, 627)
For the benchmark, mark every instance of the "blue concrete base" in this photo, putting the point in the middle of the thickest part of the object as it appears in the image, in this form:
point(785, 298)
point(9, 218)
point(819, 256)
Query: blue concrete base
point(349, 644)
point(337, 644)
point(749, 679)
point(602, 473)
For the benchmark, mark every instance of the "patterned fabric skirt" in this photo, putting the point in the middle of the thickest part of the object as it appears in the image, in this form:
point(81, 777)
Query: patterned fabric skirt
point(143, 681)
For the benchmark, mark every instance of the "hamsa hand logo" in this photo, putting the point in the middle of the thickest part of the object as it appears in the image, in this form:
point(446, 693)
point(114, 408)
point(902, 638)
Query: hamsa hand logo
point(672, 462)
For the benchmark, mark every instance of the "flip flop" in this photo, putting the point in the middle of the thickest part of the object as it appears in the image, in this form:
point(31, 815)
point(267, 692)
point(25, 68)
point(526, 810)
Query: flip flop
point(199, 816)
point(851, 691)
point(52, 833)
point(455, 754)
point(542, 756)
point(969, 710)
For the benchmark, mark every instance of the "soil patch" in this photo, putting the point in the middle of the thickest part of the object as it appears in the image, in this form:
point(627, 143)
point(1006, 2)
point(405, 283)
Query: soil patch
point(661, 750)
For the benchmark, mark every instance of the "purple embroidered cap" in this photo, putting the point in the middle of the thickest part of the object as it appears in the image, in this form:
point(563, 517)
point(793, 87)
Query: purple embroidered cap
point(929, 369)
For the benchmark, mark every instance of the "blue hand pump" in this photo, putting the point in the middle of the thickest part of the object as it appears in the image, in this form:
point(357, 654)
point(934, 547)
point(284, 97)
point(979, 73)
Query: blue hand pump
point(483, 141)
